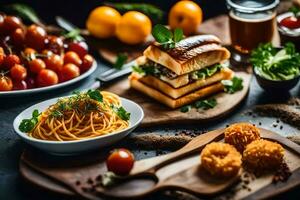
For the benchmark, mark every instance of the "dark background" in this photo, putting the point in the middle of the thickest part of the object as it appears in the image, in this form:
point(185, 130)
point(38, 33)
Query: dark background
point(13, 187)
point(77, 10)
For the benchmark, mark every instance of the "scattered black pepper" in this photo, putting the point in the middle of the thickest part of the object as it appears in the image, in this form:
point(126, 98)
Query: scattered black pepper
point(282, 174)
point(98, 178)
point(77, 183)
point(90, 181)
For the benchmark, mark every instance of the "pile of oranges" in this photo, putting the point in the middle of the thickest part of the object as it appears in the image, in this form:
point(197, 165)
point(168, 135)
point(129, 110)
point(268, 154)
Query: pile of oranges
point(134, 27)
point(131, 28)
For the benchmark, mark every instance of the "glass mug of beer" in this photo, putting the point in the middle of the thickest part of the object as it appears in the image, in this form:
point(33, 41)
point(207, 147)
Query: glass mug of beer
point(251, 22)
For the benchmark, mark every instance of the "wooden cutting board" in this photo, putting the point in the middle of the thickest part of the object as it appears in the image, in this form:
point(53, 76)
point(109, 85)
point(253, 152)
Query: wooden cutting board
point(183, 173)
point(158, 114)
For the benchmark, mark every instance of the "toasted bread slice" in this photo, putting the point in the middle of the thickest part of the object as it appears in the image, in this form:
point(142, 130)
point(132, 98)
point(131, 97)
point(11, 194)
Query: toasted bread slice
point(175, 103)
point(175, 93)
point(190, 54)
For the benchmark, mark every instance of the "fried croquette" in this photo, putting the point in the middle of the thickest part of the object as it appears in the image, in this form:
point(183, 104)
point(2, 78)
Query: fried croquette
point(263, 155)
point(241, 134)
point(221, 159)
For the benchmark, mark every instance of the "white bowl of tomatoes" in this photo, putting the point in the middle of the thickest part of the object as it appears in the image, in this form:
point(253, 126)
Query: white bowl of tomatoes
point(32, 60)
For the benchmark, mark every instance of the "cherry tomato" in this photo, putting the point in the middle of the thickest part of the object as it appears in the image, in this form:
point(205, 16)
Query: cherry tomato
point(55, 44)
point(87, 62)
point(11, 60)
point(30, 82)
point(72, 57)
point(18, 72)
point(20, 85)
point(80, 48)
point(69, 71)
point(2, 56)
point(54, 62)
point(47, 52)
point(47, 77)
point(1, 23)
point(6, 83)
point(10, 24)
point(291, 22)
point(29, 52)
point(120, 162)
point(35, 37)
point(36, 65)
point(18, 37)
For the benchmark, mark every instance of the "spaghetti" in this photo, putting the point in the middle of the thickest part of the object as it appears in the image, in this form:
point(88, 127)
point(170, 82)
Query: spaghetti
point(82, 116)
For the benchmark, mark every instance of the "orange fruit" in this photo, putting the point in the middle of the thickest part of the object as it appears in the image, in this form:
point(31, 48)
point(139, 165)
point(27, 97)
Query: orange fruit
point(133, 28)
point(102, 22)
point(186, 15)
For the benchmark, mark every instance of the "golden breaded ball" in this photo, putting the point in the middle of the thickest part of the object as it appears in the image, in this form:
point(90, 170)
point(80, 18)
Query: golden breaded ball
point(221, 159)
point(263, 155)
point(241, 134)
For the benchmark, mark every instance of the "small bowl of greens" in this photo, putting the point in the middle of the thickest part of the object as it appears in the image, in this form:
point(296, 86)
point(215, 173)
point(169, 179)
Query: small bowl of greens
point(276, 69)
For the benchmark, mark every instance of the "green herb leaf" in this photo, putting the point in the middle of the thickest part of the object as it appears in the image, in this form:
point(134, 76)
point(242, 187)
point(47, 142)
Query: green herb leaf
point(138, 69)
point(233, 85)
point(95, 94)
point(165, 37)
point(186, 108)
point(206, 72)
point(123, 114)
point(152, 11)
point(178, 35)
point(206, 104)
point(121, 60)
point(56, 114)
point(28, 124)
point(74, 35)
point(24, 11)
point(295, 10)
point(162, 34)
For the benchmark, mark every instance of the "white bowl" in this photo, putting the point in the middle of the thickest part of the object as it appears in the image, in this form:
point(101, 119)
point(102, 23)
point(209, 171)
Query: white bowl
point(77, 147)
point(16, 93)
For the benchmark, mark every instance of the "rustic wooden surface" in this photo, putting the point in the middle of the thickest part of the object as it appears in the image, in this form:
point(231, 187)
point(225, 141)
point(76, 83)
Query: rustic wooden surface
point(183, 173)
point(157, 114)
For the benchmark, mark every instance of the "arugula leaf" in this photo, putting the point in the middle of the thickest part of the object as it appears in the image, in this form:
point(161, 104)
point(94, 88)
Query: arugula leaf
point(206, 104)
point(95, 94)
point(186, 108)
point(274, 64)
point(165, 37)
point(121, 59)
point(28, 124)
point(233, 85)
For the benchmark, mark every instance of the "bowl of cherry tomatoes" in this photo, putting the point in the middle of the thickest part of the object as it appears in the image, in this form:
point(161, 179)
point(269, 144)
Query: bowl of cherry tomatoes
point(33, 60)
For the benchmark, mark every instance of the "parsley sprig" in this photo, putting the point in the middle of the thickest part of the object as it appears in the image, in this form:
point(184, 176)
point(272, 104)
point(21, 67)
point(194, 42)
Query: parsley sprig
point(165, 37)
point(28, 124)
point(121, 112)
point(120, 61)
point(201, 104)
point(233, 85)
